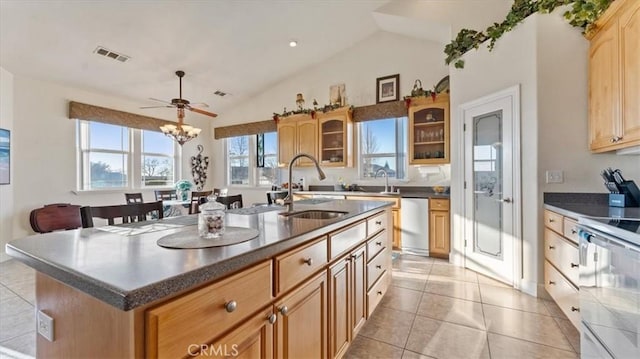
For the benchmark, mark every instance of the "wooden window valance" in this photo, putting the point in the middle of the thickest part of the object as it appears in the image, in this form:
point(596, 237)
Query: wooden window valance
point(83, 111)
point(379, 111)
point(252, 128)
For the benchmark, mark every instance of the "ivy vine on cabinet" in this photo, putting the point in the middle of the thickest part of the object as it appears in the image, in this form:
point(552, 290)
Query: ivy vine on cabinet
point(334, 138)
point(429, 130)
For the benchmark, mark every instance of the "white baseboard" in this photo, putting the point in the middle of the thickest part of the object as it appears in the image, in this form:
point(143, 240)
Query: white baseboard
point(416, 251)
point(529, 287)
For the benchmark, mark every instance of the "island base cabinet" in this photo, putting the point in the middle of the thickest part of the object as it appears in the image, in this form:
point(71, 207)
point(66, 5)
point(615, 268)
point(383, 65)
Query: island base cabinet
point(254, 339)
point(301, 325)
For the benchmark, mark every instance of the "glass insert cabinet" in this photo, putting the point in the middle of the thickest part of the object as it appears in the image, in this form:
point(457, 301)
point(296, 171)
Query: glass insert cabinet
point(334, 140)
point(429, 130)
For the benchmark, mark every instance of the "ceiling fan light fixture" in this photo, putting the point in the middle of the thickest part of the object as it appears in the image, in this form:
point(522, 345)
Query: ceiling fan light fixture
point(293, 43)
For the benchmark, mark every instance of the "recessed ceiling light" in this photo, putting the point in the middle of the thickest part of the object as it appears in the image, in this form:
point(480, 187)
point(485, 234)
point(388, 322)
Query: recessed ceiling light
point(293, 43)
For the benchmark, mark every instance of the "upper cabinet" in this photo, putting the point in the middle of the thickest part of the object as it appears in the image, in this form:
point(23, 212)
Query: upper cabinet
point(429, 130)
point(297, 134)
point(614, 78)
point(334, 138)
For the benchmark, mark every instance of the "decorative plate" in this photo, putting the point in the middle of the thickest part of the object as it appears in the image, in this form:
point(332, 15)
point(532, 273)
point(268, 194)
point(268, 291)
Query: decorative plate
point(443, 85)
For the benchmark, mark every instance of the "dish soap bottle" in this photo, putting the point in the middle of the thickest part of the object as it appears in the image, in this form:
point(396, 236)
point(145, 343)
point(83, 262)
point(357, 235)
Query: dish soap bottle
point(211, 218)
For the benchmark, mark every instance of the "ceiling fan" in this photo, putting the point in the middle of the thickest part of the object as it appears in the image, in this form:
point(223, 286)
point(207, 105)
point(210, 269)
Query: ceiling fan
point(182, 104)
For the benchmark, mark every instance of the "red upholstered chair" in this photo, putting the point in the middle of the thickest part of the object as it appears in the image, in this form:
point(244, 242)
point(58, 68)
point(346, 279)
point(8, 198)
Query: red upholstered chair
point(57, 216)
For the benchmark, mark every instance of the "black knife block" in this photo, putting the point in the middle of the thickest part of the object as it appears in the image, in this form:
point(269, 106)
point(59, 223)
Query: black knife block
point(629, 195)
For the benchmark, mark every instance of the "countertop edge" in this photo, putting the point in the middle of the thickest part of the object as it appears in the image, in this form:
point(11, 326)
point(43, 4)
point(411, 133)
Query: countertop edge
point(564, 212)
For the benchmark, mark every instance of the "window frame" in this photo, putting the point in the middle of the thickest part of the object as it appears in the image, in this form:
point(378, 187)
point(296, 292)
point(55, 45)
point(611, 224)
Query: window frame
point(254, 171)
point(401, 148)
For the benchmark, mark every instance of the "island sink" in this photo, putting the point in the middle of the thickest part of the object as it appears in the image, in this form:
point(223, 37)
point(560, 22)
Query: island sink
point(314, 214)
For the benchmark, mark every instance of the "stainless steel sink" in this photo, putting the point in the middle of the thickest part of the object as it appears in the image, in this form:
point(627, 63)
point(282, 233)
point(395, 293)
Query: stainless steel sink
point(314, 214)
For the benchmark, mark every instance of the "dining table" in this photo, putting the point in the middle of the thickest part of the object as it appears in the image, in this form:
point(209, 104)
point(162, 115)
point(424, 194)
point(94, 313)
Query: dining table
point(175, 207)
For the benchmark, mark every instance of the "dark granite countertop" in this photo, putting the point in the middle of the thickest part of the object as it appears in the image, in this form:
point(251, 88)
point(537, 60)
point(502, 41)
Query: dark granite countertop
point(586, 204)
point(127, 270)
point(375, 191)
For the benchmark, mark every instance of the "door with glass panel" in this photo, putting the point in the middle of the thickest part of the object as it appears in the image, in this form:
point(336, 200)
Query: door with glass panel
point(489, 236)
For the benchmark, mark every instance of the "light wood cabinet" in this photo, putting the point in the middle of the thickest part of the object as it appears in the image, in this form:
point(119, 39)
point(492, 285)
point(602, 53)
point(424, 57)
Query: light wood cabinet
point(296, 134)
point(439, 239)
point(614, 78)
point(429, 130)
point(301, 326)
point(335, 138)
point(396, 230)
point(347, 300)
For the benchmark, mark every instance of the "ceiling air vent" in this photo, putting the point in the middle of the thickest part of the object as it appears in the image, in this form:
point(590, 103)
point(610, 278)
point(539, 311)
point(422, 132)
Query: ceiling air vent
point(110, 54)
point(220, 93)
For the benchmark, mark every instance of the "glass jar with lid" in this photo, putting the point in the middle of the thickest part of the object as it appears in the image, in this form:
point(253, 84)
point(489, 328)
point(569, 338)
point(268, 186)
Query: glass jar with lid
point(211, 218)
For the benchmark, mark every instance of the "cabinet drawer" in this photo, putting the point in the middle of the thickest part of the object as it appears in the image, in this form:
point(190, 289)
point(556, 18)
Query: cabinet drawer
point(377, 223)
point(200, 316)
point(377, 266)
point(295, 266)
point(562, 254)
point(438, 204)
point(553, 221)
point(565, 295)
point(341, 241)
point(375, 294)
point(376, 244)
point(570, 231)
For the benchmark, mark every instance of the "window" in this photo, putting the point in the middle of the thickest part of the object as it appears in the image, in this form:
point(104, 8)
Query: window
point(246, 153)
point(118, 157)
point(382, 144)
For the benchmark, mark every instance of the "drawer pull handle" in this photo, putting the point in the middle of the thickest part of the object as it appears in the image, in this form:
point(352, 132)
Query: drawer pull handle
point(552, 247)
point(573, 265)
point(573, 231)
point(552, 282)
point(574, 309)
point(309, 261)
point(378, 223)
point(354, 256)
point(378, 243)
point(272, 318)
point(379, 292)
point(551, 220)
point(230, 306)
point(283, 310)
point(379, 266)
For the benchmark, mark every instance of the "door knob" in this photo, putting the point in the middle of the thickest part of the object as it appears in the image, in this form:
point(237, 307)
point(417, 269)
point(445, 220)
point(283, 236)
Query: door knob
point(505, 200)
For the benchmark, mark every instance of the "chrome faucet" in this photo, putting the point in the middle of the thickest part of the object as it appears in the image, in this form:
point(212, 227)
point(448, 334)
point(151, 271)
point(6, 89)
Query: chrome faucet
point(289, 200)
point(386, 178)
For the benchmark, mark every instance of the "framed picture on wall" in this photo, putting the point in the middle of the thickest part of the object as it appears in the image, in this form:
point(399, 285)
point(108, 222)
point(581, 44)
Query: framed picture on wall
point(5, 156)
point(388, 88)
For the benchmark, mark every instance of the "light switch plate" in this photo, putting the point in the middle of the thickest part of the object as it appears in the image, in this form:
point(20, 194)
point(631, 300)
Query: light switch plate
point(555, 176)
point(45, 326)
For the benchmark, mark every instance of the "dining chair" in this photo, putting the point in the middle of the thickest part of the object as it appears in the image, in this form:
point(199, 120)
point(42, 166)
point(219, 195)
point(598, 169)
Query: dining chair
point(166, 194)
point(56, 216)
point(230, 202)
point(273, 196)
point(133, 198)
point(127, 213)
point(197, 198)
point(220, 191)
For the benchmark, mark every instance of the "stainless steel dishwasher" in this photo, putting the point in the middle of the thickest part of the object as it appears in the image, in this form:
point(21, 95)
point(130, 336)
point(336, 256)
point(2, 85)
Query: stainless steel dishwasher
point(414, 223)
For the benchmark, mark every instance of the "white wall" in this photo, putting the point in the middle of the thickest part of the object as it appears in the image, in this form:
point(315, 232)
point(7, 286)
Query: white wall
point(44, 147)
point(380, 55)
point(6, 191)
point(548, 58)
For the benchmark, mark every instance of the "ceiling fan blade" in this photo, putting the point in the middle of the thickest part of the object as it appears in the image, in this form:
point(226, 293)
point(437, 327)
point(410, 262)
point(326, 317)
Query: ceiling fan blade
point(155, 99)
point(202, 112)
point(199, 104)
point(165, 106)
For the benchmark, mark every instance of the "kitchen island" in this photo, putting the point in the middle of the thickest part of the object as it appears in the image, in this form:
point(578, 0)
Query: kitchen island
point(113, 292)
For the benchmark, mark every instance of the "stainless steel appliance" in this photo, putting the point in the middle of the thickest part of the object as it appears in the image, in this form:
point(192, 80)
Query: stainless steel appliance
point(415, 225)
point(610, 287)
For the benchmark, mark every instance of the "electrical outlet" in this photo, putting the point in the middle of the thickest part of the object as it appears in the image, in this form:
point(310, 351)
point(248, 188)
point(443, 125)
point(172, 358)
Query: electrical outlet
point(45, 326)
point(555, 176)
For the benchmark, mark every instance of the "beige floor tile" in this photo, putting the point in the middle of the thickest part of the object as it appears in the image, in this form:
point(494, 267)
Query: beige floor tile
point(412, 266)
point(363, 347)
point(510, 298)
point(533, 327)
point(482, 279)
point(388, 325)
point(12, 271)
point(25, 344)
point(5, 293)
point(553, 309)
point(448, 271)
point(447, 340)
point(453, 310)
point(416, 258)
point(16, 318)
point(26, 290)
point(503, 347)
point(402, 299)
point(415, 281)
point(453, 288)
point(572, 334)
point(408, 354)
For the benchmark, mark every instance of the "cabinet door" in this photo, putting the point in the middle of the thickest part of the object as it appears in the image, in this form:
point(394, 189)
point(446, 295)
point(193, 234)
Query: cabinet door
point(339, 307)
point(358, 290)
point(429, 132)
point(307, 140)
point(604, 89)
point(254, 339)
point(439, 234)
point(630, 73)
point(286, 142)
point(301, 327)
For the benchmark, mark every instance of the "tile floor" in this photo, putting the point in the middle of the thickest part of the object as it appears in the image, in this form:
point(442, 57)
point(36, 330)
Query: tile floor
point(432, 310)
